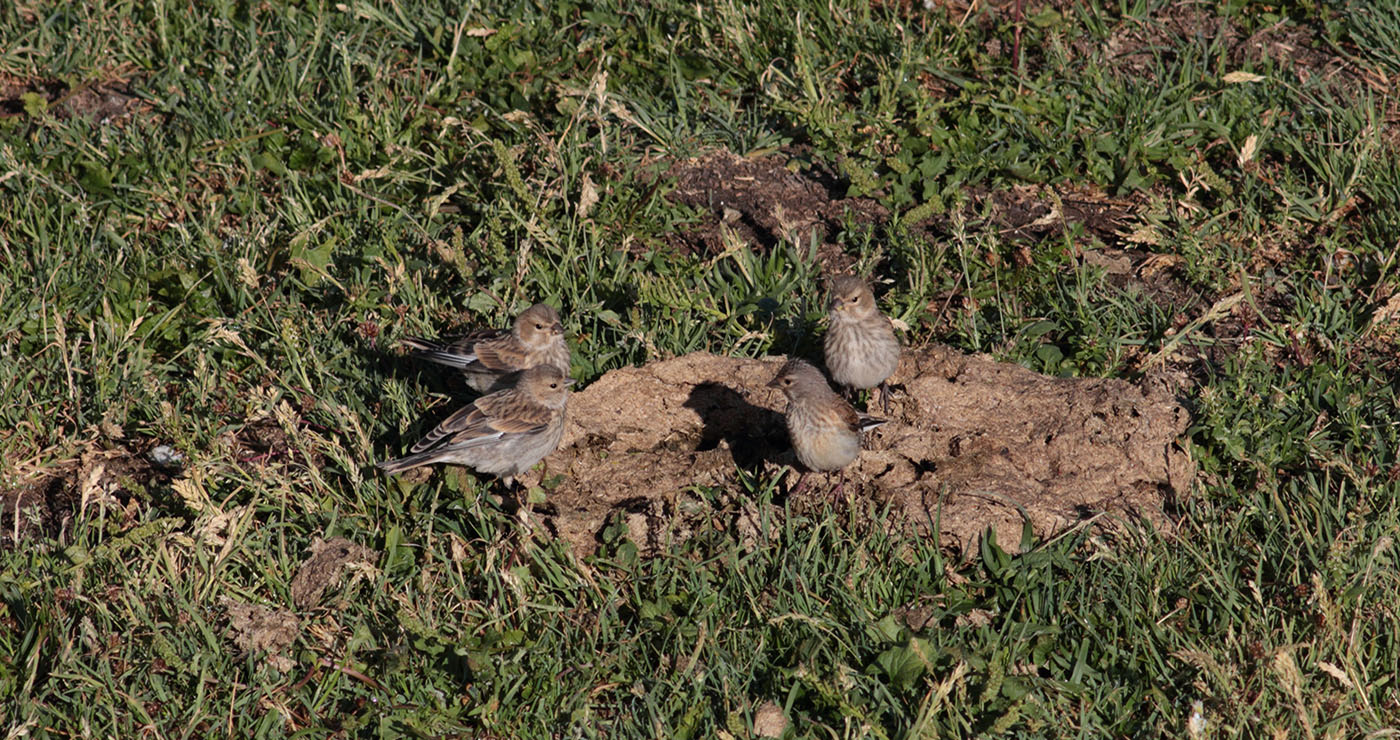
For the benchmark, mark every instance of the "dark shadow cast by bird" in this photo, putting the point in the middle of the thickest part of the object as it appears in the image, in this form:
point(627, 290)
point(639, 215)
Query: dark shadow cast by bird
point(752, 434)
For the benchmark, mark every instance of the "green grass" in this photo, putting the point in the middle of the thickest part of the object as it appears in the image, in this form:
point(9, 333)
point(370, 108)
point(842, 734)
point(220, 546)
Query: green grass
point(300, 184)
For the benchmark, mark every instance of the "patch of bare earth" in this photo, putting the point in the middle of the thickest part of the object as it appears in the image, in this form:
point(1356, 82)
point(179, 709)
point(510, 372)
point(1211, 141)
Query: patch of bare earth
point(1135, 46)
point(255, 628)
point(1106, 232)
point(329, 558)
point(269, 630)
point(764, 201)
point(43, 504)
point(1099, 226)
point(971, 444)
point(1033, 213)
point(99, 101)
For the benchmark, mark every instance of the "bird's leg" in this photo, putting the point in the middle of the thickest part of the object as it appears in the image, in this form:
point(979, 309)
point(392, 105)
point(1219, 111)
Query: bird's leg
point(514, 494)
point(800, 485)
point(525, 508)
point(840, 485)
point(884, 389)
point(510, 490)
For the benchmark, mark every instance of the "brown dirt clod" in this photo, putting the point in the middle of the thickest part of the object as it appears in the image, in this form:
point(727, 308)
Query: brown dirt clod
point(44, 505)
point(971, 444)
point(99, 102)
point(769, 720)
point(254, 627)
point(763, 202)
point(328, 559)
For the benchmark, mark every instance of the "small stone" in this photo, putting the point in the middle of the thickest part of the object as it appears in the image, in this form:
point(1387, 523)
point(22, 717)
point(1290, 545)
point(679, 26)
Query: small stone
point(769, 720)
point(165, 456)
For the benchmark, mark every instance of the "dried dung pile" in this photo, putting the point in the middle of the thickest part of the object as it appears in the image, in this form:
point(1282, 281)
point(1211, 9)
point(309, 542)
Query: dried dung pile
point(971, 444)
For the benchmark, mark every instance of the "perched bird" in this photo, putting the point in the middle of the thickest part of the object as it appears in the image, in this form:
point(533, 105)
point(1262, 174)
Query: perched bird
point(491, 358)
point(502, 433)
point(861, 349)
point(824, 429)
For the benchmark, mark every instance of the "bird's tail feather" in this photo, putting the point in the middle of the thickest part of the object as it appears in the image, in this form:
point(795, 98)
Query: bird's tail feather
point(398, 465)
point(460, 444)
point(869, 422)
point(435, 353)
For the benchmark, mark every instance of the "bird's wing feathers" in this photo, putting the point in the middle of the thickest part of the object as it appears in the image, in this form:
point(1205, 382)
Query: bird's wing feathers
point(502, 354)
point(511, 413)
point(419, 344)
point(466, 343)
point(485, 419)
point(456, 352)
point(461, 423)
point(850, 417)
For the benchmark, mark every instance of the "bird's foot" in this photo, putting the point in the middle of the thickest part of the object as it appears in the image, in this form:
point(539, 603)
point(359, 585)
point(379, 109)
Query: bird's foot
point(799, 486)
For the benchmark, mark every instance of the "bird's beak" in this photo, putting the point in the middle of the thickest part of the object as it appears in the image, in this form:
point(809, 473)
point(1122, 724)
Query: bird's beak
point(568, 382)
point(558, 328)
point(772, 383)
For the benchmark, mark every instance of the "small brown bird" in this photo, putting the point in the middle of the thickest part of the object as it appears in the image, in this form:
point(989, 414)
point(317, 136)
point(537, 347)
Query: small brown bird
point(492, 358)
point(824, 429)
point(861, 349)
point(502, 433)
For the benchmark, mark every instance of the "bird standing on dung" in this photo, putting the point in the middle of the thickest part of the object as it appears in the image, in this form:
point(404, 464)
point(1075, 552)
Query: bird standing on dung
point(861, 349)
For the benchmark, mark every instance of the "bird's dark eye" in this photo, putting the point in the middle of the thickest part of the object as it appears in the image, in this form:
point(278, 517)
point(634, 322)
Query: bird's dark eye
point(553, 385)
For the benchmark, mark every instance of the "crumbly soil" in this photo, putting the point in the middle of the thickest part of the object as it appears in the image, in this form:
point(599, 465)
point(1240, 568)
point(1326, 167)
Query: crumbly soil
point(765, 201)
point(329, 558)
point(769, 200)
point(255, 628)
point(971, 444)
point(41, 503)
point(104, 101)
point(42, 506)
